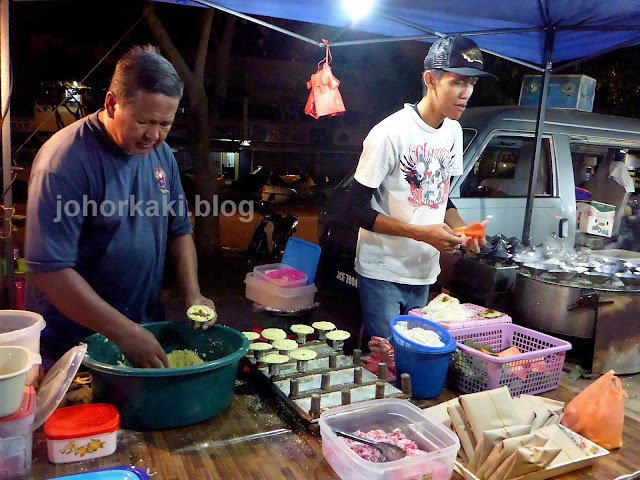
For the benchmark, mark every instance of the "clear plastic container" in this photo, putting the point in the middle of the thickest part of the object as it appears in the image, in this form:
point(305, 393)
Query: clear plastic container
point(286, 299)
point(21, 328)
point(280, 275)
point(388, 414)
point(16, 439)
point(15, 362)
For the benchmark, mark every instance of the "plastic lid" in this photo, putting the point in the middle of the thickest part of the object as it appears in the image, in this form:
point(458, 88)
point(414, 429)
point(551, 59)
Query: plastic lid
point(113, 473)
point(82, 421)
point(56, 383)
point(26, 406)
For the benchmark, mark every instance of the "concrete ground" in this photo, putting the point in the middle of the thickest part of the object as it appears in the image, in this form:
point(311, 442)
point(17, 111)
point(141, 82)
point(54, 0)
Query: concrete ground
point(224, 283)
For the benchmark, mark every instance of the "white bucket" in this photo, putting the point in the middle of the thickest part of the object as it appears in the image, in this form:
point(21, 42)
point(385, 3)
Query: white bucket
point(22, 328)
point(14, 363)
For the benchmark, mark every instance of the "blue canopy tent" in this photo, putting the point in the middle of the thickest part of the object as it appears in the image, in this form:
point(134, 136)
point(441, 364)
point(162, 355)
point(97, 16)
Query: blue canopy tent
point(545, 35)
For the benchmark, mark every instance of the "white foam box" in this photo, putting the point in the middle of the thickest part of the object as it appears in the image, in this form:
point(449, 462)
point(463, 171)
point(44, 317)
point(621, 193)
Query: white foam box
point(595, 218)
point(270, 295)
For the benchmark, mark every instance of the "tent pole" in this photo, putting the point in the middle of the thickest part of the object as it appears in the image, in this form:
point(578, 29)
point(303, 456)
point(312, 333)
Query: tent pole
point(206, 3)
point(7, 199)
point(548, 50)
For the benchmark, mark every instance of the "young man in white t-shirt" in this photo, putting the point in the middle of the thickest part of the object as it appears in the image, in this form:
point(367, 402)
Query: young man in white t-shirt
point(400, 196)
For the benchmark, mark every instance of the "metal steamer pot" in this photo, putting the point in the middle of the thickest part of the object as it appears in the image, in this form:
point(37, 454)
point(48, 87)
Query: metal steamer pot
point(555, 308)
point(608, 318)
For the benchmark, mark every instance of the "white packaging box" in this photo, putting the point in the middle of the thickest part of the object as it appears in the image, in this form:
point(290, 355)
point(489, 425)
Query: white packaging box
point(595, 218)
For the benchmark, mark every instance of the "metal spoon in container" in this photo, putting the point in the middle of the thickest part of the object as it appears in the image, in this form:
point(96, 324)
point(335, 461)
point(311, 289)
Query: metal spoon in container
point(389, 452)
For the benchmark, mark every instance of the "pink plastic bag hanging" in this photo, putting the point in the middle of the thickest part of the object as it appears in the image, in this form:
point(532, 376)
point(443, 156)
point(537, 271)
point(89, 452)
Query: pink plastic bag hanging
point(324, 97)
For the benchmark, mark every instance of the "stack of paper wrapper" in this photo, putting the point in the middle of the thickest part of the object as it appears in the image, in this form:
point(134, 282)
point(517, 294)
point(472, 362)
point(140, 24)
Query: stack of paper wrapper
point(506, 438)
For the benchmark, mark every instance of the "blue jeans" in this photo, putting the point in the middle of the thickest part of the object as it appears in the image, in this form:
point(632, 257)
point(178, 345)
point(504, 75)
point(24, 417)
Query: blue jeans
point(382, 301)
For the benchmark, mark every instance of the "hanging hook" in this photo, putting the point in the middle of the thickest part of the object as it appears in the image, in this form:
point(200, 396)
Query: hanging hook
point(327, 57)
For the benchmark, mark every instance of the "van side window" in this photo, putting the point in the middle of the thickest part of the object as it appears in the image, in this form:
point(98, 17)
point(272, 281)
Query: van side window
point(587, 157)
point(504, 167)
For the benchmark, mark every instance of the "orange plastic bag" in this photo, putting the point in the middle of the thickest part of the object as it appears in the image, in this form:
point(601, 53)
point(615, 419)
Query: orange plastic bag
point(597, 412)
point(473, 231)
point(324, 98)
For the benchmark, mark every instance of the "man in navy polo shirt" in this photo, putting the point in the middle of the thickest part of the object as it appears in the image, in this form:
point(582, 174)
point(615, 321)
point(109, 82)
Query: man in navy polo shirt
point(105, 203)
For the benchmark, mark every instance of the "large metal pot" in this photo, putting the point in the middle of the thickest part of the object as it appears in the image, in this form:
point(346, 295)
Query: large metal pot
point(551, 307)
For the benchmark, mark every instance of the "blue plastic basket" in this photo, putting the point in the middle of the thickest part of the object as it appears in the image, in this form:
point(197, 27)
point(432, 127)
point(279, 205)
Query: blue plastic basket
point(413, 322)
point(582, 194)
point(303, 256)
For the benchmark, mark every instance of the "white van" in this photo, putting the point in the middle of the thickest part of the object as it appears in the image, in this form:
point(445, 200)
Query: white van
point(578, 149)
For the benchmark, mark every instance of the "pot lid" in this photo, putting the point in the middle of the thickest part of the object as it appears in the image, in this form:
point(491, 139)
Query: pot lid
point(56, 383)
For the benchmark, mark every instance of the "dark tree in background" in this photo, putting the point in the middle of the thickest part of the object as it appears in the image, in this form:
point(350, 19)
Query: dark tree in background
point(201, 114)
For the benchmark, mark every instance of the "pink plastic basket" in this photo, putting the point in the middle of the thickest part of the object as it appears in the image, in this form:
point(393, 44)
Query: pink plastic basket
point(475, 321)
point(536, 370)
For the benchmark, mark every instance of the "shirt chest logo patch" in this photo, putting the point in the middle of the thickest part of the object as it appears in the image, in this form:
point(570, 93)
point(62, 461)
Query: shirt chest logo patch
point(161, 179)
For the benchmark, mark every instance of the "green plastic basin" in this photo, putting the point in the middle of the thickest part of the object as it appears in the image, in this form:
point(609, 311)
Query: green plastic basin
point(161, 398)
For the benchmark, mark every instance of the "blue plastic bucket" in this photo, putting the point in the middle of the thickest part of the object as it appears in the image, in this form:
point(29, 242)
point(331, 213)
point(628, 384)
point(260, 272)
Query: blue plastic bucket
point(428, 370)
point(427, 366)
point(418, 322)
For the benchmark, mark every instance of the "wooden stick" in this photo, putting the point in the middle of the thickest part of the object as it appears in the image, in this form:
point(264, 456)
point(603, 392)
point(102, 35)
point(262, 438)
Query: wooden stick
point(405, 384)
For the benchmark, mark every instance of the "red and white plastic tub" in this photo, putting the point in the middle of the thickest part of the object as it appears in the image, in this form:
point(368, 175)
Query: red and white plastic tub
point(82, 432)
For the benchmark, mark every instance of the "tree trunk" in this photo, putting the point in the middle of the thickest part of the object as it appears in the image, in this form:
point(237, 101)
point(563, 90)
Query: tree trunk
point(207, 225)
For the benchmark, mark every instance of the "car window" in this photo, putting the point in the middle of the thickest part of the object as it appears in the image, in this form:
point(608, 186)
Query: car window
point(587, 157)
point(504, 167)
point(468, 134)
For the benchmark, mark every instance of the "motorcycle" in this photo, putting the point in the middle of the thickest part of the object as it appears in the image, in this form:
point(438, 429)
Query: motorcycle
point(271, 234)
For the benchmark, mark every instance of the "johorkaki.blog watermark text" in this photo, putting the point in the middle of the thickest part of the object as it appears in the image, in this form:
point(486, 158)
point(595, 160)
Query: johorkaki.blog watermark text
point(153, 208)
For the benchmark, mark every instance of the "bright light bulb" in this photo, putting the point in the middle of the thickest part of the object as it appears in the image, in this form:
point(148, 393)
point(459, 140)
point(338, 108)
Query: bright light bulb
point(357, 8)
point(75, 84)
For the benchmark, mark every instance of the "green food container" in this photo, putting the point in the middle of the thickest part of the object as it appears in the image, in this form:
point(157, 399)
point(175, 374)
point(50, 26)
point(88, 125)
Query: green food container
point(161, 398)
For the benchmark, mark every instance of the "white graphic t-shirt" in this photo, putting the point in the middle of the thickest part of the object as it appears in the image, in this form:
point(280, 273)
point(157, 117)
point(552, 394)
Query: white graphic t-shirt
point(410, 164)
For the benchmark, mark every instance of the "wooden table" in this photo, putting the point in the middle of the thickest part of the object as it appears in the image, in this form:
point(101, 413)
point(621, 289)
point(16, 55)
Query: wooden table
point(258, 438)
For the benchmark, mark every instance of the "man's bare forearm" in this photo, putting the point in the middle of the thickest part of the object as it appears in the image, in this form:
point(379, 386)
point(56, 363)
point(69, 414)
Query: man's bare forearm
point(71, 294)
point(392, 226)
point(439, 236)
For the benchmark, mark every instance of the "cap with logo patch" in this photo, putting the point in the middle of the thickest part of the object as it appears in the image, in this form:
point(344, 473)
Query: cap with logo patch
point(457, 54)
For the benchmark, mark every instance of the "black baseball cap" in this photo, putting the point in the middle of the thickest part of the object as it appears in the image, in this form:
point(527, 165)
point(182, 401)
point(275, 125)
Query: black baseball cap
point(457, 54)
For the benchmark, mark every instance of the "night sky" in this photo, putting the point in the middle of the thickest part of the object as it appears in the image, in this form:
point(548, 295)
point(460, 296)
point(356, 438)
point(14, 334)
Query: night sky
point(64, 40)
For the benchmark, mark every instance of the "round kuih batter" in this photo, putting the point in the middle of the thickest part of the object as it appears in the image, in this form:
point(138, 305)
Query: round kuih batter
point(326, 326)
point(275, 358)
point(285, 344)
point(338, 335)
point(200, 313)
point(274, 334)
point(251, 336)
point(303, 354)
point(260, 346)
point(303, 329)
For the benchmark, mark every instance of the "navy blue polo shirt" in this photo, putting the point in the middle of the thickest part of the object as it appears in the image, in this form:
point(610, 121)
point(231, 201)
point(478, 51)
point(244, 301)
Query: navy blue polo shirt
point(106, 215)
